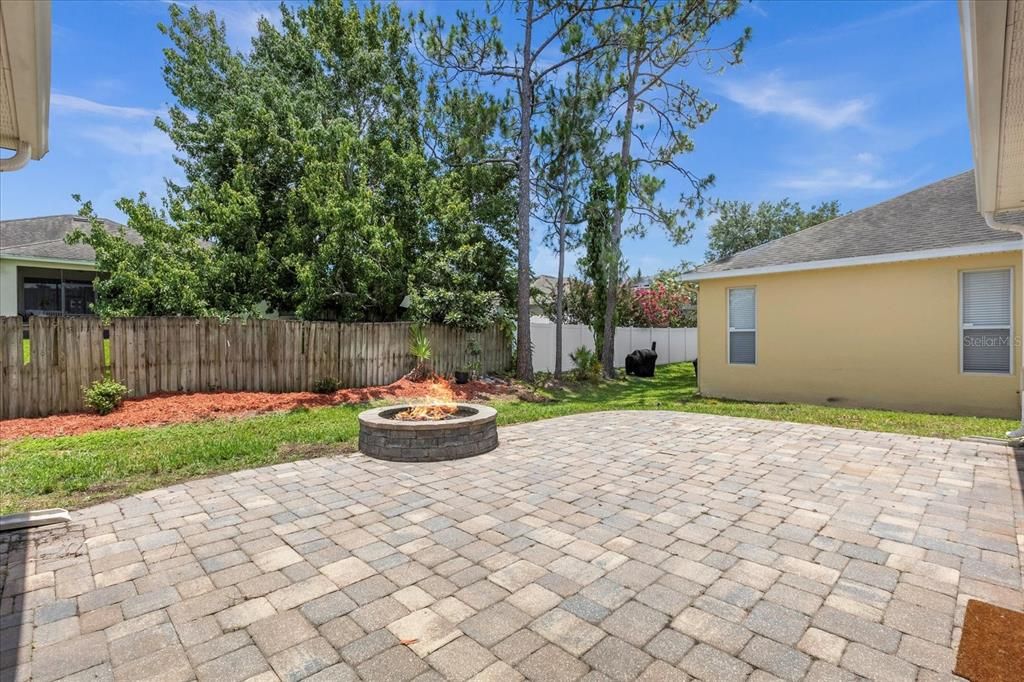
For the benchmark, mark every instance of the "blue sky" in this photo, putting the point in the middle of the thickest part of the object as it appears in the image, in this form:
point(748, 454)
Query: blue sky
point(855, 101)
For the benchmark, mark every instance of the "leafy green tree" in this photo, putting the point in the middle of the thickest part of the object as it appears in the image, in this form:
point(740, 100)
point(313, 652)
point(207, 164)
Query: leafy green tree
point(740, 226)
point(465, 278)
point(303, 159)
point(169, 271)
point(320, 179)
point(658, 42)
point(466, 274)
point(597, 258)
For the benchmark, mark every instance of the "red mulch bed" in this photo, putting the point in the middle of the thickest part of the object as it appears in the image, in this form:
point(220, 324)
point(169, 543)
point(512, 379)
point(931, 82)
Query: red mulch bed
point(178, 408)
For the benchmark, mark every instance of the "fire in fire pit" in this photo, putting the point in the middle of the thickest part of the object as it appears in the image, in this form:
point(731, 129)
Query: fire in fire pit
point(423, 413)
point(439, 404)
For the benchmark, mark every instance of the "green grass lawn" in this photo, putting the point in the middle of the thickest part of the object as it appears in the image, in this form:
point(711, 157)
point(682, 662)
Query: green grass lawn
point(26, 351)
point(75, 471)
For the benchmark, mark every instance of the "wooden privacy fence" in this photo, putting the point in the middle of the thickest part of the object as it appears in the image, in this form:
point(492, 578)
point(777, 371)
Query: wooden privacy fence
point(181, 354)
point(65, 354)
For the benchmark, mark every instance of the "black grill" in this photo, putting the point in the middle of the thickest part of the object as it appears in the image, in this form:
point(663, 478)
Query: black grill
point(641, 362)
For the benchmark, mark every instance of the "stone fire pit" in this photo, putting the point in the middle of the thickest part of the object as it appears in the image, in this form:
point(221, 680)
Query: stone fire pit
point(471, 430)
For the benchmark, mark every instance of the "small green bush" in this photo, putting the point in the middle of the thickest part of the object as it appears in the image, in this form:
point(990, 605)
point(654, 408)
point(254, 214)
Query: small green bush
point(588, 364)
point(326, 385)
point(104, 396)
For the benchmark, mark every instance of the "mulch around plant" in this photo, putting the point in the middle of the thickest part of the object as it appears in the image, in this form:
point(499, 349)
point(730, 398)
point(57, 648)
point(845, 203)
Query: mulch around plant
point(992, 644)
point(180, 408)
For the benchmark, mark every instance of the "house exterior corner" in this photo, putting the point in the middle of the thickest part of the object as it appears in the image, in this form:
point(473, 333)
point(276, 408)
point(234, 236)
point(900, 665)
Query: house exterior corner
point(882, 336)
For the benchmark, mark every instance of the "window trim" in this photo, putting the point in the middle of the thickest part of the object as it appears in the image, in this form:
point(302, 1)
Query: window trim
point(961, 328)
point(729, 329)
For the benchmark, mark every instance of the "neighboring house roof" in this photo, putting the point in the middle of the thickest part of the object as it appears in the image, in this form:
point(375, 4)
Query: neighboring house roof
point(937, 220)
point(44, 238)
point(544, 284)
point(544, 287)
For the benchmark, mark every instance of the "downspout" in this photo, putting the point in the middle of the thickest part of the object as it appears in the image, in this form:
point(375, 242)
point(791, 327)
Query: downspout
point(18, 161)
point(990, 220)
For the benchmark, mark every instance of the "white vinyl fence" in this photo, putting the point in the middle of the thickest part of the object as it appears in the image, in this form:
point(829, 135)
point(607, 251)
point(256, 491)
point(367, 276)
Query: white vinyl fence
point(674, 344)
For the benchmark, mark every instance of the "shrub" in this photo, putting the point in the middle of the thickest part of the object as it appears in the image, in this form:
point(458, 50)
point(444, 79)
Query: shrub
point(419, 344)
point(588, 364)
point(326, 385)
point(472, 362)
point(104, 396)
point(419, 348)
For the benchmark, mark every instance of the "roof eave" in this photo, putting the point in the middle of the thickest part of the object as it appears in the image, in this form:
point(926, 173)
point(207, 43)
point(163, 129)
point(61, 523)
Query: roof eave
point(26, 28)
point(49, 260)
point(879, 259)
point(988, 74)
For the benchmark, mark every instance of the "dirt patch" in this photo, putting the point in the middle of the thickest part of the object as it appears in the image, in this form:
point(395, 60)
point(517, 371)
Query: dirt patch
point(992, 644)
point(180, 408)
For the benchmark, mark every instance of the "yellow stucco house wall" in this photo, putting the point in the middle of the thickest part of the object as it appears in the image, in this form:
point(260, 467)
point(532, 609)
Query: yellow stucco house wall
point(911, 304)
point(884, 336)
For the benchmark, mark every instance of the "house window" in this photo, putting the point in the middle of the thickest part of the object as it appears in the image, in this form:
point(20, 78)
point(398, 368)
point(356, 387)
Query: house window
point(985, 321)
point(42, 296)
point(69, 293)
point(78, 296)
point(742, 326)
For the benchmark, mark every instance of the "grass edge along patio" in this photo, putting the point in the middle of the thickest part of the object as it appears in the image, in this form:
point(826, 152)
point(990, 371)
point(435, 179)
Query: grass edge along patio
point(74, 471)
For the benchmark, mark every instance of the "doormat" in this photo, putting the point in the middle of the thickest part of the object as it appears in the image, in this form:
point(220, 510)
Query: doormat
point(992, 644)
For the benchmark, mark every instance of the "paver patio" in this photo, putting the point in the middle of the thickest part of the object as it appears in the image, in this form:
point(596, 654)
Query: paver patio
point(651, 545)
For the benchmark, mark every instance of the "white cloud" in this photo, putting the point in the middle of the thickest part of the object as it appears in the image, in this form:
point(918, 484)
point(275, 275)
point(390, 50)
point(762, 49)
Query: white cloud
point(129, 141)
point(835, 179)
point(87, 106)
point(867, 158)
point(125, 130)
point(774, 95)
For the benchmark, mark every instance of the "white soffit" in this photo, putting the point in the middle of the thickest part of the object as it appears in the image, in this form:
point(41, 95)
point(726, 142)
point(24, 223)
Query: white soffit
point(993, 49)
point(1010, 185)
point(9, 137)
point(25, 76)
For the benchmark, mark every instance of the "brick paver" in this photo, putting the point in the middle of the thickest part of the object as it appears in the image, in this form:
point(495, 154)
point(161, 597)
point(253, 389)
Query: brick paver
point(622, 546)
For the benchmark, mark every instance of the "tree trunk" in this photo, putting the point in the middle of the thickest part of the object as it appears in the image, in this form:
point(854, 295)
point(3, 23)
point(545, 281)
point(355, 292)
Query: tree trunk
point(524, 348)
point(615, 243)
point(560, 293)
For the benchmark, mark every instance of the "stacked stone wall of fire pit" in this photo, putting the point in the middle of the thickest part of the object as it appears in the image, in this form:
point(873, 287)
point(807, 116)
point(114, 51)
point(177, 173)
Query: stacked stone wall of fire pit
point(473, 431)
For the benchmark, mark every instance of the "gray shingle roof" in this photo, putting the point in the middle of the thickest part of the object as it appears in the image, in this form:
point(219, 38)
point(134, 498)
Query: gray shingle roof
point(44, 237)
point(940, 215)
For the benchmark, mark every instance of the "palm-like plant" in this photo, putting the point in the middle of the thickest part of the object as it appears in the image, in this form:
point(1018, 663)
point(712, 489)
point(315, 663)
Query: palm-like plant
point(419, 348)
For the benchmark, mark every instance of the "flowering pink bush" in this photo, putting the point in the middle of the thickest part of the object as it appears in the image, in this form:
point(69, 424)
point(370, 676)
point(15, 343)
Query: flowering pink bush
point(658, 306)
point(664, 303)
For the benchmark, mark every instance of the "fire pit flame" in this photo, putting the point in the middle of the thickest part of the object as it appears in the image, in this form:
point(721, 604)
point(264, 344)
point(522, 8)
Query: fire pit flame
point(440, 405)
point(427, 413)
